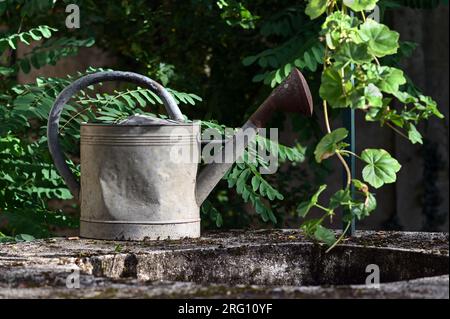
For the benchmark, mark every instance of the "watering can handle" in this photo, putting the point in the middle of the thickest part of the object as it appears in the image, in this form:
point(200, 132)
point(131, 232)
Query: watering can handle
point(82, 83)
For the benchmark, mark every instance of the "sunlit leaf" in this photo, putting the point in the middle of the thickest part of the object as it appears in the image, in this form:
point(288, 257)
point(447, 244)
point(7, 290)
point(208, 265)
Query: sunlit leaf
point(380, 39)
point(316, 8)
point(325, 235)
point(304, 207)
point(361, 5)
point(329, 144)
point(381, 167)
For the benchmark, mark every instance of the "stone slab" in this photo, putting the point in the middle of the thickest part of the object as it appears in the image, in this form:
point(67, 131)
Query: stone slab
point(233, 264)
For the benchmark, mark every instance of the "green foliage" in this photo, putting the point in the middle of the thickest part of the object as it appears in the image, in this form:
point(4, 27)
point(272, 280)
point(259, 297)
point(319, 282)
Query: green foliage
point(299, 47)
point(235, 13)
point(330, 143)
point(361, 5)
point(324, 235)
point(316, 8)
point(304, 207)
point(27, 181)
point(282, 60)
point(34, 34)
point(354, 77)
point(249, 183)
point(16, 239)
point(359, 207)
point(379, 39)
point(381, 168)
point(53, 51)
point(333, 89)
point(27, 177)
point(208, 210)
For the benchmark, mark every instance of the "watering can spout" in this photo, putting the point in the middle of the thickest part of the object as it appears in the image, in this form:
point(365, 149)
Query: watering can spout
point(292, 95)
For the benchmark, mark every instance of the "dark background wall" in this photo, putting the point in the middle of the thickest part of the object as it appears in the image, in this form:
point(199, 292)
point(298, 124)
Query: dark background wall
point(425, 177)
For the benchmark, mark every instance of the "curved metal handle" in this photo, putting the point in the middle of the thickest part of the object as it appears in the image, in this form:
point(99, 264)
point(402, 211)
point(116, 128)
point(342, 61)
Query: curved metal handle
point(80, 84)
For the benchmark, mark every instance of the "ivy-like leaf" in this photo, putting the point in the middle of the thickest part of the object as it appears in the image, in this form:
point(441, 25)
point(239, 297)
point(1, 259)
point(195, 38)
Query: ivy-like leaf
point(370, 203)
point(351, 52)
point(414, 135)
point(324, 235)
point(362, 210)
point(329, 144)
point(340, 198)
point(360, 186)
point(309, 226)
point(331, 88)
point(380, 39)
point(373, 96)
point(361, 5)
point(24, 237)
point(381, 168)
point(316, 8)
point(405, 97)
point(391, 79)
point(430, 106)
point(304, 207)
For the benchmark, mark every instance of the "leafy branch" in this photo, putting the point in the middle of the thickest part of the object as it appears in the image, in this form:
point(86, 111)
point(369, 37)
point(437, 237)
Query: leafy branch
point(353, 77)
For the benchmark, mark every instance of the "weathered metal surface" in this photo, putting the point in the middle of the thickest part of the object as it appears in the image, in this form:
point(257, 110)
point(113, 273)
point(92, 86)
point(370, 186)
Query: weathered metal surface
point(130, 187)
point(292, 96)
point(237, 264)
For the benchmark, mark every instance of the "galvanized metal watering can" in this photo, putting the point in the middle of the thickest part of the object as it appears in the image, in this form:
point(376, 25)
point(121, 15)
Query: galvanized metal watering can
point(130, 189)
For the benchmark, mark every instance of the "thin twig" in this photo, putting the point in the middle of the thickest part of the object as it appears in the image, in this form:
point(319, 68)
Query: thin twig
point(344, 163)
point(327, 120)
point(350, 153)
point(340, 238)
point(397, 130)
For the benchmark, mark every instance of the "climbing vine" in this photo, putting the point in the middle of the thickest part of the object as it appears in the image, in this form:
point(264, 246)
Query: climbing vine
point(355, 76)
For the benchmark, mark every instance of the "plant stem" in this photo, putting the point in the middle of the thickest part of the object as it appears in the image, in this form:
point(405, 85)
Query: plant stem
point(74, 116)
point(340, 238)
point(327, 120)
point(377, 61)
point(323, 208)
point(344, 163)
point(347, 170)
point(397, 130)
point(350, 153)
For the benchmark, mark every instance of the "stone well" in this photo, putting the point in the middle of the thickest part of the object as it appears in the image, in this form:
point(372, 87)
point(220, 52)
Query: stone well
point(233, 264)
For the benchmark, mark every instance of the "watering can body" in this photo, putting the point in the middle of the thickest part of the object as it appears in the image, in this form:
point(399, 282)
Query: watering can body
point(139, 179)
point(130, 187)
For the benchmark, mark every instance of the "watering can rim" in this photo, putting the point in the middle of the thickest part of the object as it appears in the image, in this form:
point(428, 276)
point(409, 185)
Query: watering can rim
point(188, 124)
